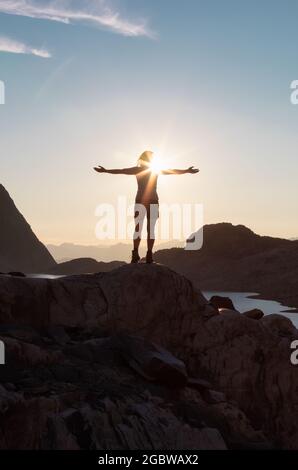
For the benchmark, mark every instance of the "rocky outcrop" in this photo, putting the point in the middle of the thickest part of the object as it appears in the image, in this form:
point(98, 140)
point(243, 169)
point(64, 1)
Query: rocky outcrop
point(92, 348)
point(142, 298)
point(20, 249)
point(88, 394)
point(233, 258)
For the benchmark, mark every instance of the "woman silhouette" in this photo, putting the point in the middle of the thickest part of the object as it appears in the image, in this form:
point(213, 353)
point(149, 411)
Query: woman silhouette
point(147, 202)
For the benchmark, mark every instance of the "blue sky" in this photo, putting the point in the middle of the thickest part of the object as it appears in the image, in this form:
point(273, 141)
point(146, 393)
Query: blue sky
point(203, 83)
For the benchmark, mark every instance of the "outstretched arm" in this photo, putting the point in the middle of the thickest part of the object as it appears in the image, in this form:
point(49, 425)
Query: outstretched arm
point(190, 170)
point(124, 171)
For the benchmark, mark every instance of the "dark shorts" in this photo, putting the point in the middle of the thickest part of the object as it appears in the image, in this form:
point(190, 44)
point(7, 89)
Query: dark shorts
point(149, 209)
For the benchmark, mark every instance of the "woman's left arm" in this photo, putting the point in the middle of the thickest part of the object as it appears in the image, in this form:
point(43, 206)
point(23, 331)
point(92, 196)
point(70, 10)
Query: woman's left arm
point(191, 170)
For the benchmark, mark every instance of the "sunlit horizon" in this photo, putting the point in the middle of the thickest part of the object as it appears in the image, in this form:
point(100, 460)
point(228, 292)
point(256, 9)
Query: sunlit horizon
point(194, 88)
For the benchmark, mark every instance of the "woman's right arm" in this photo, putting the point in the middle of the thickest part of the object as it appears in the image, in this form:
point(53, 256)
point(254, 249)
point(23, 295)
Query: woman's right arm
point(124, 171)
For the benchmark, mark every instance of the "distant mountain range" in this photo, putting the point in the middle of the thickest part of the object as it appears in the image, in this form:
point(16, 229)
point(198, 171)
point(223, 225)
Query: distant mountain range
point(83, 266)
point(119, 251)
point(235, 258)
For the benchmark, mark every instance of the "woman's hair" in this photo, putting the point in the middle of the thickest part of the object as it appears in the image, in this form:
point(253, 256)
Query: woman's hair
point(146, 157)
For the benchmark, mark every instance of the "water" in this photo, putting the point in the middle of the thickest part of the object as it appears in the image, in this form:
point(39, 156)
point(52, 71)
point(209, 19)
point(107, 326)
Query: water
point(243, 302)
point(43, 276)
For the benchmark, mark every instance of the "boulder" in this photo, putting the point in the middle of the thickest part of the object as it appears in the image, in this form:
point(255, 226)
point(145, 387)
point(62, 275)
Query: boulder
point(148, 298)
point(279, 325)
point(255, 314)
point(221, 302)
point(151, 361)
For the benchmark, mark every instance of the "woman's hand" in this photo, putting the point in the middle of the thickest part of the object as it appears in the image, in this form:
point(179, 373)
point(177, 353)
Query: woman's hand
point(192, 170)
point(100, 169)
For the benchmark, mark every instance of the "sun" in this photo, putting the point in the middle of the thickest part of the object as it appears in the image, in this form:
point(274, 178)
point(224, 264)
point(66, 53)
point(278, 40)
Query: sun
point(156, 165)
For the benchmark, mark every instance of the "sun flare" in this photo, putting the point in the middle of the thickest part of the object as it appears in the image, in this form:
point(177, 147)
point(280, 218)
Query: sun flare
point(157, 165)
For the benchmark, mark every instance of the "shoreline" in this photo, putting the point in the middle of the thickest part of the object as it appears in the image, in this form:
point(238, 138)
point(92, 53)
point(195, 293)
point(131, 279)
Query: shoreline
point(255, 296)
point(289, 309)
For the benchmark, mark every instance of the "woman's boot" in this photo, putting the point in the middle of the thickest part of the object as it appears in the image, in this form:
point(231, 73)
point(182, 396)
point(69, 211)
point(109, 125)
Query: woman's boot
point(149, 257)
point(135, 258)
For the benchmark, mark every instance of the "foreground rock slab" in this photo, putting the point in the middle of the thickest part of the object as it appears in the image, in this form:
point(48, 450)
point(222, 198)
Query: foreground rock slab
point(83, 395)
point(247, 362)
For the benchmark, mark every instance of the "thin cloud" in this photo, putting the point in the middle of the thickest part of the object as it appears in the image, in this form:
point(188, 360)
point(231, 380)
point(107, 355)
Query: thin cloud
point(16, 47)
point(97, 13)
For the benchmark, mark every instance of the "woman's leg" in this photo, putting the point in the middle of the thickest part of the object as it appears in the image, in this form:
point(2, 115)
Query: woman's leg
point(152, 217)
point(139, 221)
point(136, 239)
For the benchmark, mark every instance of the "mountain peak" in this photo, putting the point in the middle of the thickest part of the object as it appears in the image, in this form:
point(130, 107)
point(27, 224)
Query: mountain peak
point(225, 240)
point(20, 249)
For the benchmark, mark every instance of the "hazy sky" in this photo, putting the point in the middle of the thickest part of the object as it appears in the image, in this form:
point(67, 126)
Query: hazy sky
point(204, 83)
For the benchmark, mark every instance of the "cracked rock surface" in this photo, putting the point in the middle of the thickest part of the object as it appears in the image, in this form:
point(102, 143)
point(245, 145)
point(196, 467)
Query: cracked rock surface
point(137, 359)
